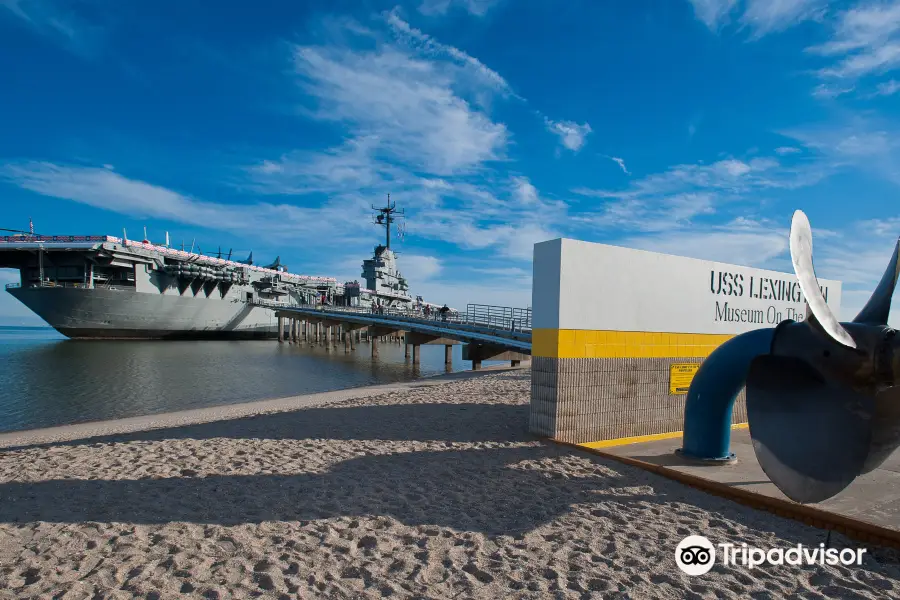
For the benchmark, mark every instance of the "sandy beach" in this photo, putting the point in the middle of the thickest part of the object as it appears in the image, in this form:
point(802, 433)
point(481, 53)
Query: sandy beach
point(429, 490)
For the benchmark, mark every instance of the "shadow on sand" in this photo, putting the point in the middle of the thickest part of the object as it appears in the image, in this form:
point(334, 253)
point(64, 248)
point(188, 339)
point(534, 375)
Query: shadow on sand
point(485, 490)
point(497, 487)
point(493, 489)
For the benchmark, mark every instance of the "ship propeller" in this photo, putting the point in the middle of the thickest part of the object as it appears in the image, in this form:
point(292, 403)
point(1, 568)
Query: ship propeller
point(823, 406)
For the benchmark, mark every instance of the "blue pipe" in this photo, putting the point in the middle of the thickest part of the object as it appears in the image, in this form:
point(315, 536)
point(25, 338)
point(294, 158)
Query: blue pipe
point(710, 401)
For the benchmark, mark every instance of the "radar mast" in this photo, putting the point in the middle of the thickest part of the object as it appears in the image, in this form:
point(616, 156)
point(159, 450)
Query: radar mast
point(385, 216)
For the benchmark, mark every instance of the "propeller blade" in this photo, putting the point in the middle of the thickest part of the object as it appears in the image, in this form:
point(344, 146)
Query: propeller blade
point(878, 307)
point(810, 437)
point(885, 428)
point(801, 257)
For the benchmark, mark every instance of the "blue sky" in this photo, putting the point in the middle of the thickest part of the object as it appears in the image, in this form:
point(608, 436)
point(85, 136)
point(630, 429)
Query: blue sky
point(688, 127)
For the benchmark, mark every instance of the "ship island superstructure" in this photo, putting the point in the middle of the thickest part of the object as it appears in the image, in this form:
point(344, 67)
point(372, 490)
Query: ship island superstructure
point(112, 287)
point(386, 286)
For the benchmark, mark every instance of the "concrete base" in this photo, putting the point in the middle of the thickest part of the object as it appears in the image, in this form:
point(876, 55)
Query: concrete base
point(871, 498)
point(695, 460)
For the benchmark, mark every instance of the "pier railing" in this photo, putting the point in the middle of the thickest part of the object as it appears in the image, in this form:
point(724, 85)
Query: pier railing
point(476, 315)
point(48, 284)
point(499, 317)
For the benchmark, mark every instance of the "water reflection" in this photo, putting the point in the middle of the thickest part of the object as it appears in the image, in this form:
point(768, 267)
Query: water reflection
point(47, 380)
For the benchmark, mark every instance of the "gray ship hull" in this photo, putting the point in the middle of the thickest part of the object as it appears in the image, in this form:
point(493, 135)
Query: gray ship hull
point(126, 314)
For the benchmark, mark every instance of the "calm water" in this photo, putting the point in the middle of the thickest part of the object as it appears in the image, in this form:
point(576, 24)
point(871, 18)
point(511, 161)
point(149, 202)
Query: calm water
point(46, 379)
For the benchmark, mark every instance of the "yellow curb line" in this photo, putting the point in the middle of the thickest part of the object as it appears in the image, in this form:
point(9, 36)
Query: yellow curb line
point(644, 438)
point(815, 517)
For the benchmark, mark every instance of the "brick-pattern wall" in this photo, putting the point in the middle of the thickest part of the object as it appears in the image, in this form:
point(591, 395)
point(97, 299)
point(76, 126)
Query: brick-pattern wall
point(591, 399)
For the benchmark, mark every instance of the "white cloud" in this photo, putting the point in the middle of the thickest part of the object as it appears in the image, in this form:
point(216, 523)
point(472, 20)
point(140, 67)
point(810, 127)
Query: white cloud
point(620, 162)
point(353, 167)
point(852, 301)
point(571, 134)
point(525, 192)
point(646, 214)
point(510, 238)
point(409, 105)
point(858, 257)
point(734, 243)
point(106, 189)
point(731, 177)
point(829, 92)
point(498, 286)
point(430, 46)
point(420, 268)
point(865, 40)
point(734, 168)
point(713, 13)
point(762, 17)
point(396, 101)
point(859, 143)
point(772, 16)
point(673, 211)
point(516, 294)
point(886, 88)
point(441, 7)
point(64, 27)
point(785, 150)
point(508, 226)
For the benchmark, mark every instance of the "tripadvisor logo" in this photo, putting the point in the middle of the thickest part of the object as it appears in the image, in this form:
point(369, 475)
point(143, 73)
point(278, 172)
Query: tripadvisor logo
point(696, 555)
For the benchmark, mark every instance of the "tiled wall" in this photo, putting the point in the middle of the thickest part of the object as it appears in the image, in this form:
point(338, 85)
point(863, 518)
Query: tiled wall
point(604, 385)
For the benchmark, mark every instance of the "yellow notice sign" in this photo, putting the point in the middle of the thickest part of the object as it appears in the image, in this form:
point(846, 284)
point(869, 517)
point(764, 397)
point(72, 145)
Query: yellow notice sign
point(680, 377)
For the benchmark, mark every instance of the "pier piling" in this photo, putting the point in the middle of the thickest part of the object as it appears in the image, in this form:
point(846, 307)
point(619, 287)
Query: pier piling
point(280, 330)
point(448, 355)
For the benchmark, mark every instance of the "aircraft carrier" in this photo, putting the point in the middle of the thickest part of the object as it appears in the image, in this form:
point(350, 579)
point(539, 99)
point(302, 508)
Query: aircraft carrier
point(110, 287)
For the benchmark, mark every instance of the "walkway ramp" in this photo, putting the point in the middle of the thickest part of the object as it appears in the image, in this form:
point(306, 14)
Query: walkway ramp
point(508, 333)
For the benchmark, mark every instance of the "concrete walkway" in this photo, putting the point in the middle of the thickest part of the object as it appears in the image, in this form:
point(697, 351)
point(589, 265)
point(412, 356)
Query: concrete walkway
point(872, 498)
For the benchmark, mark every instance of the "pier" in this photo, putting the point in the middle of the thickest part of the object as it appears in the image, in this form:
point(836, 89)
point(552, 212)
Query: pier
point(487, 333)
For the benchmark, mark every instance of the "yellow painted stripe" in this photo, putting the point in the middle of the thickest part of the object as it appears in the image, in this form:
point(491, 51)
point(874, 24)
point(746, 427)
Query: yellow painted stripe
point(578, 343)
point(637, 439)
